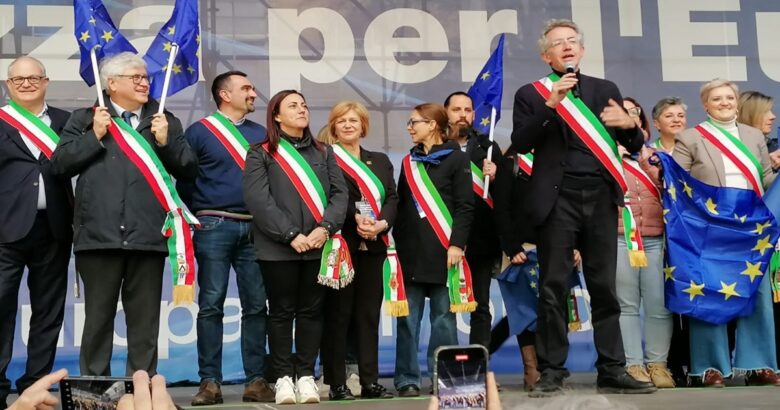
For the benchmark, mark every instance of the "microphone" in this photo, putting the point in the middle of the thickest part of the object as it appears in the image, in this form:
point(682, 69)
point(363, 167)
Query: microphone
point(569, 67)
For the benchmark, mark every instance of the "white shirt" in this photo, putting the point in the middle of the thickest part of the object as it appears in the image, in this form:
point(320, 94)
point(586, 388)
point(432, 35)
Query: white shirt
point(236, 123)
point(43, 116)
point(134, 120)
point(734, 177)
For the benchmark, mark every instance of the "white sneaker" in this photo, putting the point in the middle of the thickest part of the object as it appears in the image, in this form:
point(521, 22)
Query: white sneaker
point(307, 390)
point(285, 391)
point(353, 383)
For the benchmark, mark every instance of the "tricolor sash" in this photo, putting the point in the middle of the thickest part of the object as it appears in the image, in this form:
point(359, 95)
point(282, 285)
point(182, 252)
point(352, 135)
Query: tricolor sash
point(373, 192)
point(336, 269)
point(229, 136)
point(736, 151)
point(587, 126)
point(30, 127)
point(478, 183)
point(428, 198)
point(636, 249)
point(178, 222)
point(526, 163)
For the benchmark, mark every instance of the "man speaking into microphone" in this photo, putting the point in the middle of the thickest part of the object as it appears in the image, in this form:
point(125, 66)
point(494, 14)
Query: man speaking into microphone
point(577, 186)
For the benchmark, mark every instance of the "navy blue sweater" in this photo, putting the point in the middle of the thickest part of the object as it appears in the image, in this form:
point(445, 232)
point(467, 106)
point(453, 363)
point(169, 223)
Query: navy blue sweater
point(218, 185)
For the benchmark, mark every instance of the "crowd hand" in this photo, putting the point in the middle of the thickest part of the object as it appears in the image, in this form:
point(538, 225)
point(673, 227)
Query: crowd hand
point(560, 88)
point(774, 157)
point(645, 154)
point(616, 116)
point(160, 128)
point(317, 237)
point(623, 151)
point(489, 169)
point(300, 244)
point(100, 122)
point(147, 396)
point(493, 401)
point(454, 256)
point(519, 258)
point(37, 396)
point(577, 259)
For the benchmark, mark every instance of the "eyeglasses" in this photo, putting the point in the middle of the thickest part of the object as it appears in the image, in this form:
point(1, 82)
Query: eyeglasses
point(411, 123)
point(634, 111)
point(561, 41)
point(137, 78)
point(33, 80)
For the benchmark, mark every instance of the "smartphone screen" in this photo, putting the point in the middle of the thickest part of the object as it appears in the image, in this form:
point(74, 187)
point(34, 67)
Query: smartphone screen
point(461, 377)
point(93, 393)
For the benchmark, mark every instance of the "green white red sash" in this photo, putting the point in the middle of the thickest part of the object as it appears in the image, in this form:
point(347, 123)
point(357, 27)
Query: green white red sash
point(634, 169)
point(587, 126)
point(429, 200)
point(636, 249)
point(229, 136)
point(30, 127)
point(373, 192)
point(336, 269)
point(526, 163)
point(178, 220)
point(736, 151)
point(478, 183)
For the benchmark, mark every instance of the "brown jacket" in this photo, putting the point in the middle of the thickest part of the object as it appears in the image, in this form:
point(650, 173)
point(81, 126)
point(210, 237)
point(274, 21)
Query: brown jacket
point(645, 205)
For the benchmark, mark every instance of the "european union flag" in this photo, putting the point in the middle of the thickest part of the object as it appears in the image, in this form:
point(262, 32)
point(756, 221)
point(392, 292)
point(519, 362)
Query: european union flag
point(182, 29)
point(718, 244)
point(94, 28)
point(488, 88)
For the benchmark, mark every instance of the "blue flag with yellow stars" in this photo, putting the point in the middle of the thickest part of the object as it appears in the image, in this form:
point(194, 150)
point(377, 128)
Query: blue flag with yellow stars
point(181, 29)
point(94, 28)
point(488, 88)
point(718, 244)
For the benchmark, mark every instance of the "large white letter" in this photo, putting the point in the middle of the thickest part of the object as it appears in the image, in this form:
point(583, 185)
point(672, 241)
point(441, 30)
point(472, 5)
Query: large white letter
point(587, 15)
point(767, 32)
point(476, 35)
point(381, 45)
point(678, 35)
point(286, 65)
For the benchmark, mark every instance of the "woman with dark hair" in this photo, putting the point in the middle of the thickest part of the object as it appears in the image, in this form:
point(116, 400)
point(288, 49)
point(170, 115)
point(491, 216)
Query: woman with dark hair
point(636, 112)
point(435, 211)
point(297, 195)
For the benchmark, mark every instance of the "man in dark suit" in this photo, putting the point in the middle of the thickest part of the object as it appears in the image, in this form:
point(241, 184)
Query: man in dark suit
point(36, 214)
point(576, 190)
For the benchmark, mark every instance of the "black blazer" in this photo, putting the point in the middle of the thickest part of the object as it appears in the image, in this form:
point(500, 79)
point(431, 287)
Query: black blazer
point(540, 128)
point(383, 169)
point(19, 186)
point(483, 238)
point(512, 192)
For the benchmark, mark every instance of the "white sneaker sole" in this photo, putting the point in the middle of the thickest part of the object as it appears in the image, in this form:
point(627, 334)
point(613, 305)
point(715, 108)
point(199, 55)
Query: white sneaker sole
point(309, 400)
point(285, 400)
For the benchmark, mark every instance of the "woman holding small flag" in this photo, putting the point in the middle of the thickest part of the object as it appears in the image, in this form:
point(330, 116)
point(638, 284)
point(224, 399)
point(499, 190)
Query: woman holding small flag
point(371, 211)
point(725, 153)
point(297, 196)
point(435, 212)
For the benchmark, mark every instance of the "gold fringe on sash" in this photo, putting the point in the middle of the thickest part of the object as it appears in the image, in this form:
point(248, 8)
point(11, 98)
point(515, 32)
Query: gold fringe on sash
point(637, 259)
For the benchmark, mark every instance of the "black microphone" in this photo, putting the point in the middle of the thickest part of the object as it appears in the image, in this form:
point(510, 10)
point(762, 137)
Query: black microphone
point(569, 67)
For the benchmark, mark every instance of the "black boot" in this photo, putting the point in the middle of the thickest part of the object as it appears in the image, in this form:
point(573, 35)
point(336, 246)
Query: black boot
point(623, 383)
point(550, 384)
point(340, 393)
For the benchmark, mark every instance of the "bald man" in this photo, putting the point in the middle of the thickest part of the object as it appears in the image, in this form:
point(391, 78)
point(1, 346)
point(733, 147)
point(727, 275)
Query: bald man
point(36, 214)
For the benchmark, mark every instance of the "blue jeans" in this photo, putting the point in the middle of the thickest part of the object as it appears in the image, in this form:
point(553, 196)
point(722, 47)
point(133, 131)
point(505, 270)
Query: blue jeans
point(755, 340)
point(643, 286)
point(219, 244)
point(443, 331)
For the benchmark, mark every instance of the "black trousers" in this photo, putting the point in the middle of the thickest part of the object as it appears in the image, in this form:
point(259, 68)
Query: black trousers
point(293, 296)
point(481, 320)
point(47, 262)
point(357, 306)
point(136, 276)
point(583, 218)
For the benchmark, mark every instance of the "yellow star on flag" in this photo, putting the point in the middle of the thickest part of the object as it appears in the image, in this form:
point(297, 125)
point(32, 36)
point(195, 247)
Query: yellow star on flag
point(711, 206)
point(742, 218)
point(176, 69)
point(753, 270)
point(197, 53)
point(167, 46)
point(668, 272)
point(107, 36)
point(760, 227)
point(171, 30)
point(688, 190)
point(533, 285)
point(84, 36)
point(197, 39)
point(532, 272)
point(728, 290)
point(666, 211)
point(672, 192)
point(695, 290)
point(92, 20)
point(485, 122)
point(190, 69)
point(485, 75)
point(762, 245)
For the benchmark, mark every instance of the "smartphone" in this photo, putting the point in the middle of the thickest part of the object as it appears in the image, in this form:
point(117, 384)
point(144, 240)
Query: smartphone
point(93, 393)
point(460, 377)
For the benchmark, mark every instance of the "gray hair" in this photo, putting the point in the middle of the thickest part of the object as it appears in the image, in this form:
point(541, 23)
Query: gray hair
point(665, 103)
point(116, 65)
point(33, 59)
point(544, 44)
point(705, 90)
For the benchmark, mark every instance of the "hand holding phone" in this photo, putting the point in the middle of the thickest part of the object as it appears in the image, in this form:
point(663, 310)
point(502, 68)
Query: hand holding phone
point(93, 392)
point(461, 379)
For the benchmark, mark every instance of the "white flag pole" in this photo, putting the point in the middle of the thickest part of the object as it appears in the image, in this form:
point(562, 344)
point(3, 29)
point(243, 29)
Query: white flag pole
point(96, 73)
point(167, 81)
point(490, 149)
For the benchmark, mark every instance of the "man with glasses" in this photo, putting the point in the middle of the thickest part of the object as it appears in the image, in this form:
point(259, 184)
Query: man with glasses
point(118, 243)
point(572, 122)
point(36, 213)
